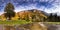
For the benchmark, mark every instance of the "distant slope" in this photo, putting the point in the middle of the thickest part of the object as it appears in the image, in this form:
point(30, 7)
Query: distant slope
point(33, 14)
point(29, 15)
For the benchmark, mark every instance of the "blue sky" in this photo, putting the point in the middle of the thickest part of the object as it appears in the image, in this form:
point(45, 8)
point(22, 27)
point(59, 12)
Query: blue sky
point(49, 6)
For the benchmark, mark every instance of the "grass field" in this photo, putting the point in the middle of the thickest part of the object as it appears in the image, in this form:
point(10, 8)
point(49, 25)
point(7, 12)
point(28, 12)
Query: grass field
point(16, 22)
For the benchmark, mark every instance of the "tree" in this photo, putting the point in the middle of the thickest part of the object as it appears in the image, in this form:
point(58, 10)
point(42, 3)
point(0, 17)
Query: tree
point(9, 11)
point(50, 18)
point(55, 18)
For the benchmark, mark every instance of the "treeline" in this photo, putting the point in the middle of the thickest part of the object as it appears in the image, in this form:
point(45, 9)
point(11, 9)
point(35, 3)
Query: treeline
point(53, 18)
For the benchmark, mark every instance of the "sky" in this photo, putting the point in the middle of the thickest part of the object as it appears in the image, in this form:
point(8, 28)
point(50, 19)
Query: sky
point(49, 6)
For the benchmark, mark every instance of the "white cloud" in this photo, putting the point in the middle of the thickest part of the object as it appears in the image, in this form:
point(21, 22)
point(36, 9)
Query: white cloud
point(55, 9)
point(22, 8)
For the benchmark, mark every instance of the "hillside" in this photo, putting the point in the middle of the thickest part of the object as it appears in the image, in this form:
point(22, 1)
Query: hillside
point(33, 14)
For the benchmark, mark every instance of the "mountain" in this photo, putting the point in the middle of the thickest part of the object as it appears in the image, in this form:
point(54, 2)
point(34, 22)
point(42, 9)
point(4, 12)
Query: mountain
point(33, 14)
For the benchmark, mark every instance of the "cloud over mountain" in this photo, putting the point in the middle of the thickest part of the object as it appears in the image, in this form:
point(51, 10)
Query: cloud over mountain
point(49, 6)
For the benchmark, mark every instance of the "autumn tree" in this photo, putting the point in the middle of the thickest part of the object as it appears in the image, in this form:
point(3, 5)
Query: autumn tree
point(9, 11)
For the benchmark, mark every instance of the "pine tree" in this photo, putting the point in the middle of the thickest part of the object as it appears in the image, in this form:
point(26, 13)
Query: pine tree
point(9, 11)
point(50, 18)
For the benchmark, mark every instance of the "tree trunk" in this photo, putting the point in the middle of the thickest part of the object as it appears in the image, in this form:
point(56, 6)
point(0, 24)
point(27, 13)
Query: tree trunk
point(9, 18)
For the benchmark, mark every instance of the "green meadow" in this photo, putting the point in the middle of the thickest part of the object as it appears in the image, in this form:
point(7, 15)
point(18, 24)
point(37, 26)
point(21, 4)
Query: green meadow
point(16, 22)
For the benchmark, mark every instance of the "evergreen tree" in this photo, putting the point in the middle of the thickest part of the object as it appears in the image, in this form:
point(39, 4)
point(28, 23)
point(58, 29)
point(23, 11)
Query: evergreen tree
point(55, 18)
point(50, 17)
point(9, 11)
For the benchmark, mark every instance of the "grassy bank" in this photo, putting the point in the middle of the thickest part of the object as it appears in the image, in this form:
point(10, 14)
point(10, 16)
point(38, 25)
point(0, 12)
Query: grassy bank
point(16, 22)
